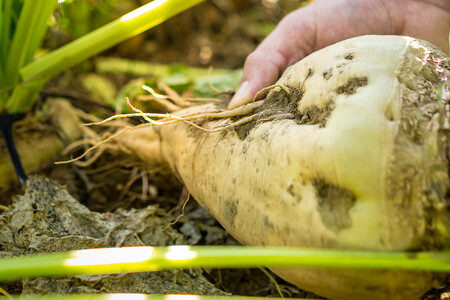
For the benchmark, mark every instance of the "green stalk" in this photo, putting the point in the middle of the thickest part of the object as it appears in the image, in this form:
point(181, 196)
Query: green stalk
point(140, 297)
point(80, 14)
point(40, 30)
point(5, 30)
point(69, 55)
point(3, 93)
point(111, 34)
point(144, 259)
point(5, 23)
point(28, 35)
point(142, 68)
point(24, 95)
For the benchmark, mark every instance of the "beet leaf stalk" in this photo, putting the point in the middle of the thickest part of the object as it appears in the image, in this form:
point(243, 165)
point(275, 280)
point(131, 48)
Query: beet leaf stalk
point(21, 78)
point(144, 259)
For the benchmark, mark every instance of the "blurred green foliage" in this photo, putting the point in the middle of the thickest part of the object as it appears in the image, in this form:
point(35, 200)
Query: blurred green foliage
point(78, 17)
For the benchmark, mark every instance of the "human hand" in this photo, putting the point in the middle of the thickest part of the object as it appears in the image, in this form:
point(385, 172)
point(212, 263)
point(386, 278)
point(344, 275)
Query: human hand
point(325, 22)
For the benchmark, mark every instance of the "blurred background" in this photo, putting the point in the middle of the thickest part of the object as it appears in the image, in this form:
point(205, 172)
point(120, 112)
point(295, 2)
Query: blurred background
point(219, 33)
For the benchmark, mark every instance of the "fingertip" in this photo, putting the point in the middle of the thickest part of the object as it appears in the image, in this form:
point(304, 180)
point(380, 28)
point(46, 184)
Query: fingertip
point(261, 69)
point(234, 103)
point(242, 96)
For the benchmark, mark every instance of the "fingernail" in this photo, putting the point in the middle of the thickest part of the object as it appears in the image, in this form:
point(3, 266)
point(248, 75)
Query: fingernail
point(241, 97)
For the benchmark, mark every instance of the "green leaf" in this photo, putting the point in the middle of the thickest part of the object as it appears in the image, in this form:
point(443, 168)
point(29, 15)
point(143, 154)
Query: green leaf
point(178, 81)
point(207, 86)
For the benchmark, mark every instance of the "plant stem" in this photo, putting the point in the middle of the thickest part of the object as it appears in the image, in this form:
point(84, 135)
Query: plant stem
point(5, 21)
point(24, 95)
point(142, 297)
point(28, 34)
point(69, 55)
point(144, 259)
point(111, 34)
point(5, 24)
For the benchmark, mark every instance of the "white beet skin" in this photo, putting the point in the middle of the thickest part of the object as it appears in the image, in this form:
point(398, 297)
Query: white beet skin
point(348, 151)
